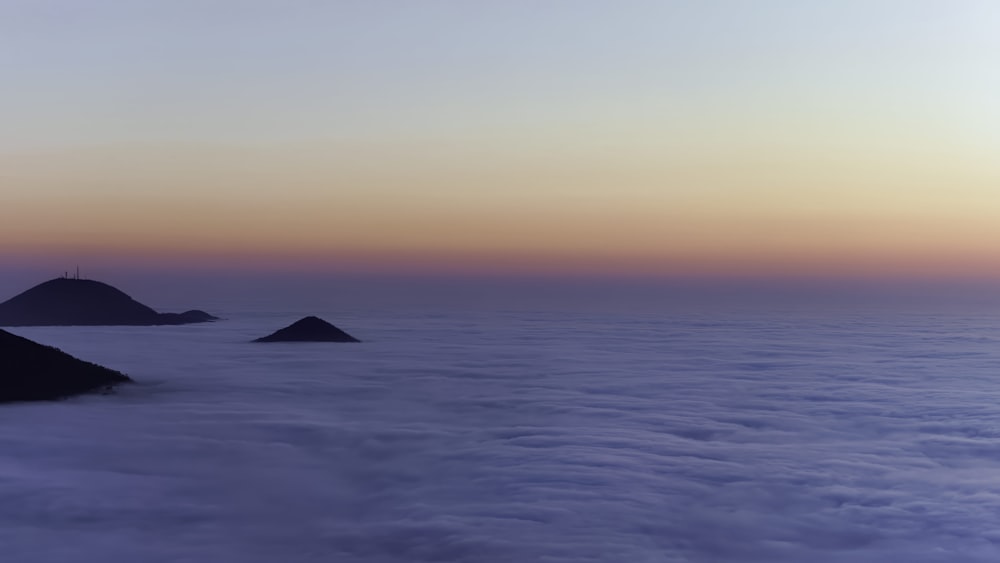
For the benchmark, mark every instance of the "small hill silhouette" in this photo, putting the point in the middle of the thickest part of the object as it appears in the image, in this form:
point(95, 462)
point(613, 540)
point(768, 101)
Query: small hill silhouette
point(309, 329)
point(33, 372)
point(70, 301)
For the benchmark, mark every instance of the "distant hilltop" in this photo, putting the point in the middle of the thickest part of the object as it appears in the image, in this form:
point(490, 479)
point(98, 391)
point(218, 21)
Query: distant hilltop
point(309, 329)
point(70, 301)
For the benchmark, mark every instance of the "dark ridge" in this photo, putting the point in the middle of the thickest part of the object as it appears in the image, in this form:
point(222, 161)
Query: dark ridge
point(187, 317)
point(33, 372)
point(72, 302)
point(309, 329)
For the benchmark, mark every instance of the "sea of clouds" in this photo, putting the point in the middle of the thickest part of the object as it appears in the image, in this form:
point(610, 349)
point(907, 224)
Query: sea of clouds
point(518, 436)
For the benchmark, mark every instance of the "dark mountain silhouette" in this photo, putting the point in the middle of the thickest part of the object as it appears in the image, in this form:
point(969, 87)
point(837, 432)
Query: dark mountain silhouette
point(33, 372)
point(70, 301)
point(309, 329)
point(192, 316)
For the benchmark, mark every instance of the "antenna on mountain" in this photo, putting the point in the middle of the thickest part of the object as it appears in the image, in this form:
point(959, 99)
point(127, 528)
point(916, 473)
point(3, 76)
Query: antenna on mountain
point(78, 272)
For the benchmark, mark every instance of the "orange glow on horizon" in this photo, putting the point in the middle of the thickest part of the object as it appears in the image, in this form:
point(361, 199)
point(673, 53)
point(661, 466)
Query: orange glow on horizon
point(783, 211)
point(874, 263)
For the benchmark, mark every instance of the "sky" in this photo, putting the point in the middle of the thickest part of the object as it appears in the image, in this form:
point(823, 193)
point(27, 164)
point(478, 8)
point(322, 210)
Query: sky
point(584, 137)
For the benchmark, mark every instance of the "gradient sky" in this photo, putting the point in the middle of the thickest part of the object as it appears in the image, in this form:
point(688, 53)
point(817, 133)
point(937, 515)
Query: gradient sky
point(639, 137)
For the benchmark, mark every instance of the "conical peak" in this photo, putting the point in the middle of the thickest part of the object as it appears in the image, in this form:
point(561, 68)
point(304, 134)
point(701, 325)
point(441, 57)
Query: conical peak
point(309, 329)
point(311, 321)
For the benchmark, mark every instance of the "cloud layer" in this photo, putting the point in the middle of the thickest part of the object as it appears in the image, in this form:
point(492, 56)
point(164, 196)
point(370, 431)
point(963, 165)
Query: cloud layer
point(518, 437)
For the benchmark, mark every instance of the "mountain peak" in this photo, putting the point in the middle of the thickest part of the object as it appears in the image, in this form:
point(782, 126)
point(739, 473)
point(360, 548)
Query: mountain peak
point(309, 329)
point(72, 301)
